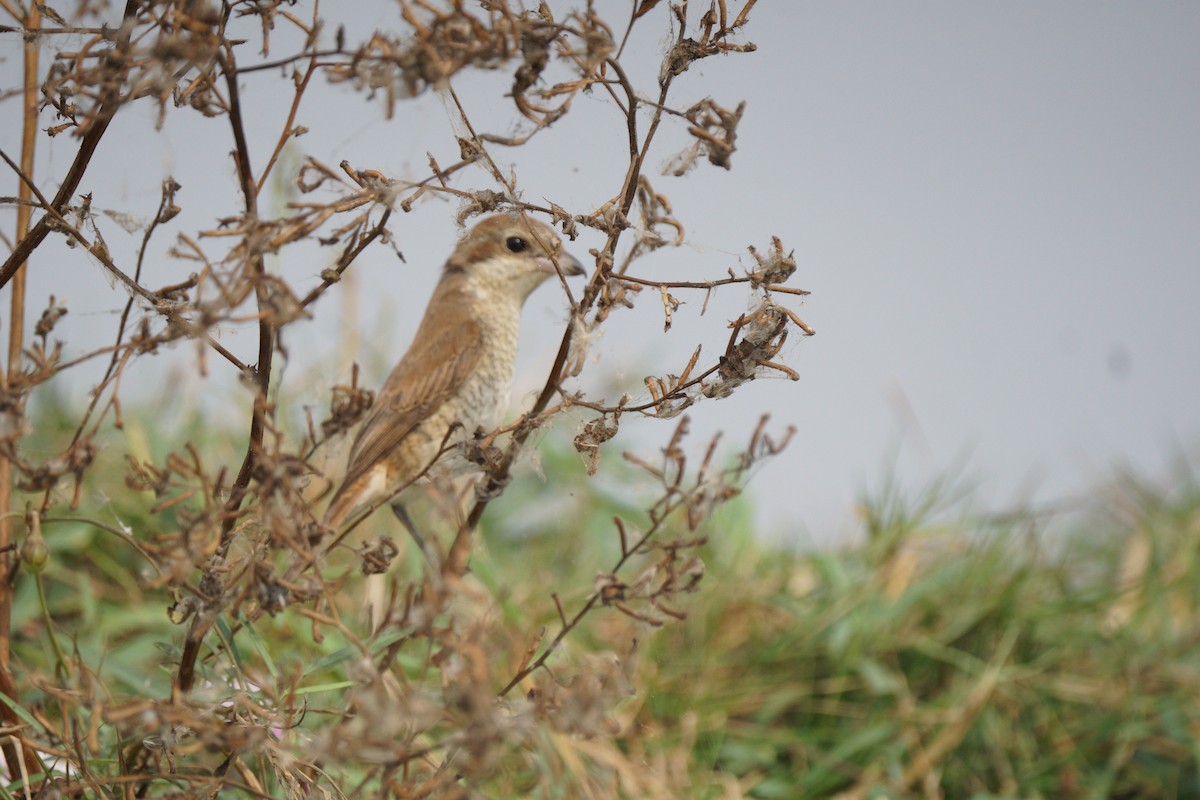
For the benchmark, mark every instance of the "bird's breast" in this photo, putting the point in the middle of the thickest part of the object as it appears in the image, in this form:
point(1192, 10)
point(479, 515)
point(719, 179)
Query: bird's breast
point(485, 395)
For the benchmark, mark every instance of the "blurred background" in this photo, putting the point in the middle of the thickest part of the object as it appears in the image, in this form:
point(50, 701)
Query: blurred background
point(995, 208)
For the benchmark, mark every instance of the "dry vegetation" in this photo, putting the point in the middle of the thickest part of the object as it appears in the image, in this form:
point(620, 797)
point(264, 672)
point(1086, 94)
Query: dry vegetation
point(166, 629)
point(431, 694)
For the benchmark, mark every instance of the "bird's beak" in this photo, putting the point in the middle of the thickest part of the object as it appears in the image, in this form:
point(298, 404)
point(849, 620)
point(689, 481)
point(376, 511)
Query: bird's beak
point(568, 263)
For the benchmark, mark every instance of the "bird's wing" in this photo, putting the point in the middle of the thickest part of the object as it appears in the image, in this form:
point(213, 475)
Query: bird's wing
point(444, 353)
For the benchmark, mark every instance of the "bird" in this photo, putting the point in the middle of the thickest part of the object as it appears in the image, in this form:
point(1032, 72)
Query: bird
point(456, 376)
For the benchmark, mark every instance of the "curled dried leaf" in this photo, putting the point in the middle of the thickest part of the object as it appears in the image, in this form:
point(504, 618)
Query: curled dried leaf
point(588, 440)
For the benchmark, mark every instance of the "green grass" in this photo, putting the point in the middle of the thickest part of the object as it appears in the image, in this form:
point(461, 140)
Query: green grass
point(960, 659)
point(971, 658)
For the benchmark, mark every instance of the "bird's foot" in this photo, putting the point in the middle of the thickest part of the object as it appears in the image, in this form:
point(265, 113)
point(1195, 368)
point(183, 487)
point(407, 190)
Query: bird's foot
point(427, 548)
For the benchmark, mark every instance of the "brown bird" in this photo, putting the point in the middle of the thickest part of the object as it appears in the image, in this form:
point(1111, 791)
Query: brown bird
point(457, 374)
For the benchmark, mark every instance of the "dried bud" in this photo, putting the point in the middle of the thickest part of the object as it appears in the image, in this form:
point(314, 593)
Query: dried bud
point(775, 267)
point(376, 558)
point(348, 406)
point(49, 319)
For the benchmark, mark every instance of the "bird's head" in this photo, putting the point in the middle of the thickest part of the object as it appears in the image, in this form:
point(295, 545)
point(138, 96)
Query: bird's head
point(510, 254)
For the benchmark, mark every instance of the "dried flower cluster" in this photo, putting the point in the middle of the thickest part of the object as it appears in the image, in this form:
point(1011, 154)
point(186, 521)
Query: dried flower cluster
point(437, 698)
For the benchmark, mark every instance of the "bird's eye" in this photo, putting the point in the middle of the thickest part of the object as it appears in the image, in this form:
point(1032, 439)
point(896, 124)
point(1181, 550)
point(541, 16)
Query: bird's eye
point(516, 244)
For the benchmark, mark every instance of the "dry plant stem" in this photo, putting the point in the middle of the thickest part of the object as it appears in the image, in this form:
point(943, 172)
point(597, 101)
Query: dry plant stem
point(289, 60)
point(566, 626)
point(261, 371)
point(23, 760)
point(288, 126)
point(674, 499)
point(266, 331)
point(348, 257)
point(708, 284)
point(110, 102)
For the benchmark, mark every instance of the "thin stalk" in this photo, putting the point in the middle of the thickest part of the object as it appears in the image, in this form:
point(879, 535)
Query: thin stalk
point(16, 336)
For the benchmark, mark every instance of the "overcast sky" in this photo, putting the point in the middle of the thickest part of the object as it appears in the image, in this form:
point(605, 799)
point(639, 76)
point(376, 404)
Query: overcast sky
point(995, 206)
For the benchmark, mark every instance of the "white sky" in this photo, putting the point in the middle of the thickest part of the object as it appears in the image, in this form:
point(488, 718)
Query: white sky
point(996, 207)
